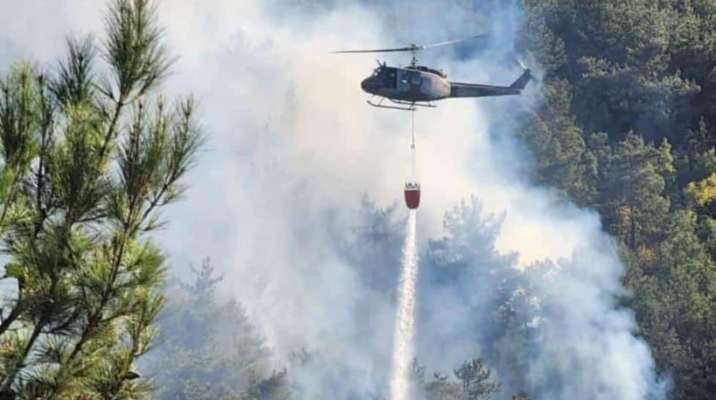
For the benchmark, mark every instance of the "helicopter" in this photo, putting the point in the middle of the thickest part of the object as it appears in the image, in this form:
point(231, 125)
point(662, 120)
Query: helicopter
point(418, 86)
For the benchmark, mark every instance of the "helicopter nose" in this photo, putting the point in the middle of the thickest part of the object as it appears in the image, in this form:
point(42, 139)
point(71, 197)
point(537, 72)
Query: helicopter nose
point(368, 84)
point(364, 84)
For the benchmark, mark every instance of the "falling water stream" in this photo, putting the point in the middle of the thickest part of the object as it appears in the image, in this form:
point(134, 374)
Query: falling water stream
point(403, 339)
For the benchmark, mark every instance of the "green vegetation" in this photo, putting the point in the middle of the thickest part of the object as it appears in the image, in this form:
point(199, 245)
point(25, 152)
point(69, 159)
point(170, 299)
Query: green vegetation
point(210, 350)
point(628, 127)
point(472, 382)
point(87, 161)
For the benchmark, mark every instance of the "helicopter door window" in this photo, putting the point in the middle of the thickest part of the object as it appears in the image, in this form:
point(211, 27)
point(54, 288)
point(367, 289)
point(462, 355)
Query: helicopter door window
point(416, 80)
point(392, 79)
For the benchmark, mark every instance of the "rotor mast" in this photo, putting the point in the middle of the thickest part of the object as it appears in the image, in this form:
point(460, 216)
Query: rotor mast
point(414, 52)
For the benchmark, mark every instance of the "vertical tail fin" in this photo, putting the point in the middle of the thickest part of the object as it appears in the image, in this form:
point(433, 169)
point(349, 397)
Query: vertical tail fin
point(522, 81)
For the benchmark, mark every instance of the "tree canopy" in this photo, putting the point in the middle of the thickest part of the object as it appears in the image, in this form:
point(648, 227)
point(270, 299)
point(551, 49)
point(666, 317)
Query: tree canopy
point(630, 85)
point(87, 161)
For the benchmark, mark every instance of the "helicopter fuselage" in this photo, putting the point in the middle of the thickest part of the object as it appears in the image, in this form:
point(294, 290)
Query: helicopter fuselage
point(412, 84)
point(417, 85)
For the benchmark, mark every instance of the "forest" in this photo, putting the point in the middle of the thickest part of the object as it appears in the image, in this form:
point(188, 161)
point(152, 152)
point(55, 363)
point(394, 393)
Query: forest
point(625, 126)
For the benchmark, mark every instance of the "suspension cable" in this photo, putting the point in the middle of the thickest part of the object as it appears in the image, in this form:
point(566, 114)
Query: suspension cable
point(412, 145)
point(412, 129)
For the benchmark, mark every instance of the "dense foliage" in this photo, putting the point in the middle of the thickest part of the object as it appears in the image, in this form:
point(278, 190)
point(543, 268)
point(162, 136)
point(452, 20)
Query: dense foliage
point(472, 381)
point(87, 161)
point(628, 127)
point(210, 350)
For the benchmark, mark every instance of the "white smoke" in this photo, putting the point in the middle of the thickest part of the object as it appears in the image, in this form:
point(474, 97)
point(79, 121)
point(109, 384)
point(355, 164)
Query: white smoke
point(292, 148)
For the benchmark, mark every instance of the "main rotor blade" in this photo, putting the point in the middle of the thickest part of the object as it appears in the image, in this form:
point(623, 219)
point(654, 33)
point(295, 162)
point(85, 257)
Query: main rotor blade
point(449, 42)
point(411, 48)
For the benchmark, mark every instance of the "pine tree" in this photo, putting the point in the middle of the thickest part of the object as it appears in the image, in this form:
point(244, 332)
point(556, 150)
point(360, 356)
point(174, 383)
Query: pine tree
point(557, 144)
point(632, 179)
point(211, 350)
point(473, 381)
point(88, 160)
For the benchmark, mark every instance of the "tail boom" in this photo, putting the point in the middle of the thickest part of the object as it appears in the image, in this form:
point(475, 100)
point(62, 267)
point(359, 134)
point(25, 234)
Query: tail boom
point(458, 89)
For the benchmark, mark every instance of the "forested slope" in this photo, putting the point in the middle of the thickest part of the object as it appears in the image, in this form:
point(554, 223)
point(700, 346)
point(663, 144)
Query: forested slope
point(628, 127)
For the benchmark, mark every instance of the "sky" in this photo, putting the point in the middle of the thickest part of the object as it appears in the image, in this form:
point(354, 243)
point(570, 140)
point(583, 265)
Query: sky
point(292, 148)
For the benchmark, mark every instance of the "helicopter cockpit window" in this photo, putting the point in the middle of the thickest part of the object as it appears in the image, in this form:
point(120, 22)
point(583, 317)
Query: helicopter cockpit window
point(376, 72)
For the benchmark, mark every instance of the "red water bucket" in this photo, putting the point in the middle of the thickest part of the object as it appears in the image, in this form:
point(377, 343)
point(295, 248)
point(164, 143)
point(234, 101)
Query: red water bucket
point(412, 195)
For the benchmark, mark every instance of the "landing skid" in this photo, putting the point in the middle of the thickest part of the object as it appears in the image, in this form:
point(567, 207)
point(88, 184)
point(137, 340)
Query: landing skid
point(414, 103)
point(379, 105)
point(407, 105)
